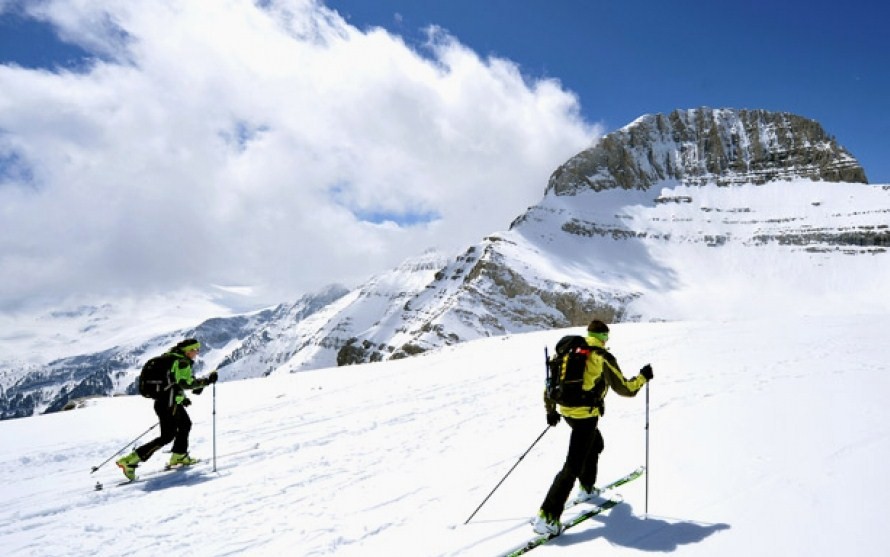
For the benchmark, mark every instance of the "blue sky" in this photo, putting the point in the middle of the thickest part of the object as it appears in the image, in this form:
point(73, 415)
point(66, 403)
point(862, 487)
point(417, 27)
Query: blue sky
point(829, 61)
point(824, 60)
point(34, 44)
point(300, 144)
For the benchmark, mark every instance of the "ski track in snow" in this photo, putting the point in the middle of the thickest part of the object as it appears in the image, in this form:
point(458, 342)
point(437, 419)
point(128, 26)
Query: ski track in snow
point(760, 431)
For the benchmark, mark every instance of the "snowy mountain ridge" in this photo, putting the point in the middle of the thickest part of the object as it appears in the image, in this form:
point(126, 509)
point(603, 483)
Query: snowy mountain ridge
point(653, 223)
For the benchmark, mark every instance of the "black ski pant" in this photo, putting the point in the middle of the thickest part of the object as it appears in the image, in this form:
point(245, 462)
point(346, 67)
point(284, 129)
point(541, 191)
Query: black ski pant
point(175, 426)
point(585, 446)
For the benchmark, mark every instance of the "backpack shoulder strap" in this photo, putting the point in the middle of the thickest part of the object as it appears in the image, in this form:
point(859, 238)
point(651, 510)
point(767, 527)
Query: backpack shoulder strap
point(606, 355)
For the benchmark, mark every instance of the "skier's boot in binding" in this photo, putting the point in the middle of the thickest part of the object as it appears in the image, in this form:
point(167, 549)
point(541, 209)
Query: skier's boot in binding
point(586, 495)
point(546, 524)
point(128, 465)
point(180, 459)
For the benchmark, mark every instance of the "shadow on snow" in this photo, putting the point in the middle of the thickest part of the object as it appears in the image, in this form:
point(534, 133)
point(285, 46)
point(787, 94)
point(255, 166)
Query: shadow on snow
point(176, 478)
point(622, 528)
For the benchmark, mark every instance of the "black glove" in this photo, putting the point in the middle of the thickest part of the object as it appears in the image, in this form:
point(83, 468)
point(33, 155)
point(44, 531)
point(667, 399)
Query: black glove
point(211, 379)
point(198, 391)
point(186, 402)
point(646, 372)
point(552, 418)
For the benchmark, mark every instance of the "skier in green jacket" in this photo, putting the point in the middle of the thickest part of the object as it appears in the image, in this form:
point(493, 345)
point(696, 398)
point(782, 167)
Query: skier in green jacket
point(170, 409)
point(586, 441)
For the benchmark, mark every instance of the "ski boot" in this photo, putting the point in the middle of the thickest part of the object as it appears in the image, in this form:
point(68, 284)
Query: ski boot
point(585, 495)
point(545, 524)
point(128, 465)
point(178, 460)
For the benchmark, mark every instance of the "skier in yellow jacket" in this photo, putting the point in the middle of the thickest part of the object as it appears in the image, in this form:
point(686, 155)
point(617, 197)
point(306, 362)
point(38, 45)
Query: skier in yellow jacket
point(601, 373)
point(170, 408)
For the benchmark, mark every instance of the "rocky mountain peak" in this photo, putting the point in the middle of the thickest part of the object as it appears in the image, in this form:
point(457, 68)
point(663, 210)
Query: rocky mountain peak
point(704, 145)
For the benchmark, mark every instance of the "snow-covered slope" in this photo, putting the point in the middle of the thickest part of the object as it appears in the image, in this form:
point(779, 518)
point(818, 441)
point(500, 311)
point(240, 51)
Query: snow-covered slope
point(767, 437)
point(704, 251)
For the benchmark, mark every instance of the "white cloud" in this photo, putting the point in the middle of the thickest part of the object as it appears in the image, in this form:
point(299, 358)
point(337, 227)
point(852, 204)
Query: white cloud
point(230, 143)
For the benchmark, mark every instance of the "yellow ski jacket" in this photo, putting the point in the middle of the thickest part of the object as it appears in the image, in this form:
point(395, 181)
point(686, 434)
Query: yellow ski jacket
point(602, 364)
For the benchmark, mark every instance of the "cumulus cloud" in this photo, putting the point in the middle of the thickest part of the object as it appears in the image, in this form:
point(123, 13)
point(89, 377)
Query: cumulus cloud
point(269, 145)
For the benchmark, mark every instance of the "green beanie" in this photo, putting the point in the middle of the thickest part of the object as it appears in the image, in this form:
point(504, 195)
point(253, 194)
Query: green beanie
point(188, 345)
point(599, 330)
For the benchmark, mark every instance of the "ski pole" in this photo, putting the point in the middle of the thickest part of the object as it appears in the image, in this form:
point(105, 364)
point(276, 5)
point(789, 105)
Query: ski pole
point(647, 450)
point(124, 447)
point(508, 473)
point(214, 426)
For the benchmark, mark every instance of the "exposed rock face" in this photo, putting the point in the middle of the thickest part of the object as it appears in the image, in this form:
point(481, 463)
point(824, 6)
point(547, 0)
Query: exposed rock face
point(702, 146)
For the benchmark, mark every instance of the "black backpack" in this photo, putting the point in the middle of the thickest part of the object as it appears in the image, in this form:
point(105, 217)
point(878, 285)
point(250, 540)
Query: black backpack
point(154, 379)
point(565, 374)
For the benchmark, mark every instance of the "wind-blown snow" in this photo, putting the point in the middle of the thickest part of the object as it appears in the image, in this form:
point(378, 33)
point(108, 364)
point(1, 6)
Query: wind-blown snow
point(767, 437)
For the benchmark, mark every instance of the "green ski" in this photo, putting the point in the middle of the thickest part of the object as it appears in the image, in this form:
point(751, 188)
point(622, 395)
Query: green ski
point(602, 507)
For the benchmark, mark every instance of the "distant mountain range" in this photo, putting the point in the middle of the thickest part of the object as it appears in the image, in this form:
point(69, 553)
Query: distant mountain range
point(677, 216)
